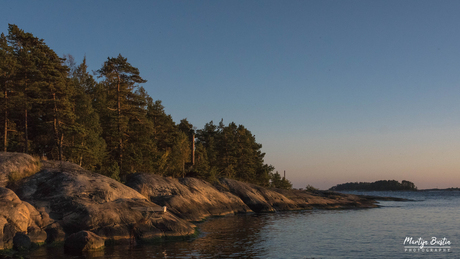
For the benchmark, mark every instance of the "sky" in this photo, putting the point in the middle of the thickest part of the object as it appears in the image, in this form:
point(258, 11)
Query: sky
point(335, 91)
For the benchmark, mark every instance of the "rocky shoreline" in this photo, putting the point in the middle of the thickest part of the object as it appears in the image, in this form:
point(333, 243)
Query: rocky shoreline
point(51, 201)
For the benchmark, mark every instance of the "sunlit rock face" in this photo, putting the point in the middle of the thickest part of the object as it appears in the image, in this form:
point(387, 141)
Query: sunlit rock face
point(17, 216)
point(189, 198)
point(63, 198)
point(327, 199)
point(15, 166)
point(81, 200)
point(194, 199)
point(259, 199)
point(262, 199)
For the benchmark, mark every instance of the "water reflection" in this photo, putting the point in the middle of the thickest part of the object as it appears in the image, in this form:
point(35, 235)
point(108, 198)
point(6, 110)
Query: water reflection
point(367, 233)
point(236, 236)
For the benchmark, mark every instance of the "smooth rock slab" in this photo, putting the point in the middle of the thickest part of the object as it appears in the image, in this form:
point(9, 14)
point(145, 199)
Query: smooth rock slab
point(259, 199)
point(82, 200)
point(188, 198)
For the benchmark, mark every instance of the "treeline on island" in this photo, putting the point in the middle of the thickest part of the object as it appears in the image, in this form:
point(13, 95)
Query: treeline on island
point(382, 185)
point(55, 109)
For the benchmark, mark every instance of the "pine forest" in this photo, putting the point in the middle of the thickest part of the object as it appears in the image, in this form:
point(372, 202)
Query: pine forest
point(106, 122)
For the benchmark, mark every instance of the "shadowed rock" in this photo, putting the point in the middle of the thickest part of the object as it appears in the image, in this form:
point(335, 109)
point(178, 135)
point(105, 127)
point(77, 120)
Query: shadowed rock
point(83, 241)
point(21, 242)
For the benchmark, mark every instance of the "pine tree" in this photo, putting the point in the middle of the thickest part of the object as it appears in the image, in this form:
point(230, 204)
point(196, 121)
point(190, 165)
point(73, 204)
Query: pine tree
point(120, 83)
point(187, 128)
point(163, 125)
point(57, 117)
point(7, 70)
point(180, 154)
point(278, 182)
point(41, 87)
point(202, 168)
point(25, 47)
point(140, 145)
point(114, 126)
point(163, 137)
point(232, 151)
point(207, 156)
point(86, 145)
point(227, 149)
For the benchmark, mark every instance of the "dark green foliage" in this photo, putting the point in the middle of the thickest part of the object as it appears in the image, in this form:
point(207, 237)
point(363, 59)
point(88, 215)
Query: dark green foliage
point(38, 104)
point(123, 105)
point(7, 71)
point(172, 145)
point(278, 182)
point(232, 152)
point(310, 188)
point(54, 108)
point(87, 148)
point(382, 185)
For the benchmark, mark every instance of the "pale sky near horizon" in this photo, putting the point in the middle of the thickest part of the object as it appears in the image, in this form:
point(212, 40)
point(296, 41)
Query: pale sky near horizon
point(335, 91)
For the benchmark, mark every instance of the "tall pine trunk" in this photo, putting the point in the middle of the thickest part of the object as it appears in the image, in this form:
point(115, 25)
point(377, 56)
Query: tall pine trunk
point(61, 140)
point(5, 133)
point(26, 136)
point(120, 144)
point(57, 138)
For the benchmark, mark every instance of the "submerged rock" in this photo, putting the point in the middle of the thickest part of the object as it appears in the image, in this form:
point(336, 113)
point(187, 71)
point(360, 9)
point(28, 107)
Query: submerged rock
point(189, 198)
point(81, 200)
point(21, 242)
point(83, 241)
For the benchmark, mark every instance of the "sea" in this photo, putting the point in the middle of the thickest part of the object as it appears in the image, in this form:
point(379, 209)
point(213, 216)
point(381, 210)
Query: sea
point(427, 226)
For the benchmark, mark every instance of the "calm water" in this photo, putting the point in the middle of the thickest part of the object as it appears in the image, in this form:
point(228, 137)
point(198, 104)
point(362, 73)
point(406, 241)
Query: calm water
point(365, 233)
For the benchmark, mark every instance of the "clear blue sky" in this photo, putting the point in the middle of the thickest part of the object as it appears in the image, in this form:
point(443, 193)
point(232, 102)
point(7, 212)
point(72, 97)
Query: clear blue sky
point(335, 91)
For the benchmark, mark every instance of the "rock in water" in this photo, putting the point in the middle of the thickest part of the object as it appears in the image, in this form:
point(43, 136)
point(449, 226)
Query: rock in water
point(81, 200)
point(83, 241)
point(21, 242)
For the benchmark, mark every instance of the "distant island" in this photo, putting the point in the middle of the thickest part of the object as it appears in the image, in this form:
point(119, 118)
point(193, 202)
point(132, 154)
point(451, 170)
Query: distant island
point(442, 189)
point(382, 185)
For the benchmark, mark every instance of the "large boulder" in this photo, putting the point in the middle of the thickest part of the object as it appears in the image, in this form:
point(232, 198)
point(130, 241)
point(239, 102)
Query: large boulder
point(15, 166)
point(17, 216)
point(259, 199)
point(81, 200)
point(189, 198)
